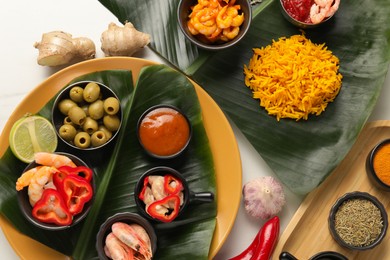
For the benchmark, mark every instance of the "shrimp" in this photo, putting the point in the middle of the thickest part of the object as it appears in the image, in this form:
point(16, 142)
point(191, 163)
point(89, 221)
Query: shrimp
point(231, 32)
point(323, 3)
point(333, 8)
point(52, 159)
point(26, 177)
point(318, 13)
point(116, 249)
point(130, 236)
point(38, 181)
point(223, 19)
point(191, 28)
point(157, 186)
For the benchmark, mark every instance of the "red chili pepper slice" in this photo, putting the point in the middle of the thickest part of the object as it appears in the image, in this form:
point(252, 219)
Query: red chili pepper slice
point(141, 196)
point(172, 185)
point(264, 243)
point(165, 209)
point(81, 171)
point(51, 208)
point(76, 191)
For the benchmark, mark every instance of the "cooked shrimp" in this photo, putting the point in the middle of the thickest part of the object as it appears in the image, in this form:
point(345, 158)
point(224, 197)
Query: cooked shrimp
point(128, 235)
point(52, 159)
point(157, 187)
point(148, 197)
point(116, 249)
point(238, 20)
point(323, 3)
point(26, 177)
point(191, 28)
point(223, 19)
point(231, 32)
point(318, 13)
point(333, 8)
point(38, 181)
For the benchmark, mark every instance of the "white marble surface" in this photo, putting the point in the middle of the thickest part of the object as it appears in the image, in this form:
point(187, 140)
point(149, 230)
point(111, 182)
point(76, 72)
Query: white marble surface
point(23, 22)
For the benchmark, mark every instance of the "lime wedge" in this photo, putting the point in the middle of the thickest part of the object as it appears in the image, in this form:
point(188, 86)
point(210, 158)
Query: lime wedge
point(31, 134)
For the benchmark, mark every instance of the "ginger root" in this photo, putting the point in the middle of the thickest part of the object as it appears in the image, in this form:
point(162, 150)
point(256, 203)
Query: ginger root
point(123, 41)
point(59, 48)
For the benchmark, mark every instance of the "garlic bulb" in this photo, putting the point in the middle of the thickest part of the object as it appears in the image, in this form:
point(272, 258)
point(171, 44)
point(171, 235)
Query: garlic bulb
point(263, 197)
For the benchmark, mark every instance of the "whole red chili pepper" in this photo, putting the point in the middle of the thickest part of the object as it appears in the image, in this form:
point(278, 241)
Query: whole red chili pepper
point(51, 208)
point(76, 191)
point(263, 244)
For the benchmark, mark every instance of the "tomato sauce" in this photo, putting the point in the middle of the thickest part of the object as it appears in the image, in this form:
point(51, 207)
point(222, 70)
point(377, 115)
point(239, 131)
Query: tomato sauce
point(299, 9)
point(164, 131)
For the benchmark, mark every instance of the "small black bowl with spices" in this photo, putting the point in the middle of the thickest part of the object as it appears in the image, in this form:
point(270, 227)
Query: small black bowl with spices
point(358, 221)
point(378, 165)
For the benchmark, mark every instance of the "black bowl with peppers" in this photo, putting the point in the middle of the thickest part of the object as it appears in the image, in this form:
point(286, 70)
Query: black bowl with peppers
point(69, 194)
point(162, 194)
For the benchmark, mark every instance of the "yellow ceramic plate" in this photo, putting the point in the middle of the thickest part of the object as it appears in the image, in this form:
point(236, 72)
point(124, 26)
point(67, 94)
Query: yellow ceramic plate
point(222, 141)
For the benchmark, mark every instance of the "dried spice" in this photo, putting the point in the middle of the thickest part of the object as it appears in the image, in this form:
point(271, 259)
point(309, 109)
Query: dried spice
point(381, 163)
point(358, 222)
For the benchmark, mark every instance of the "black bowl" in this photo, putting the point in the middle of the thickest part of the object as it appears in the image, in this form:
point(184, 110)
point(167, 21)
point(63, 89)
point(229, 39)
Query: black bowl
point(370, 166)
point(159, 156)
point(184, 9)
point(189, 196)
point(298, 23)
point(26, 208)
point(128, 218)
point(352, 196)
point(58, 118)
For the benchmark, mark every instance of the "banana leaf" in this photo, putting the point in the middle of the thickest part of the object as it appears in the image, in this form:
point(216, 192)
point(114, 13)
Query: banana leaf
point(302, 154)
point(118, 171)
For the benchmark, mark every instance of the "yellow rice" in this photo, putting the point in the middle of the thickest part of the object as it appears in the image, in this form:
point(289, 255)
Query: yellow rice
point(293, 77)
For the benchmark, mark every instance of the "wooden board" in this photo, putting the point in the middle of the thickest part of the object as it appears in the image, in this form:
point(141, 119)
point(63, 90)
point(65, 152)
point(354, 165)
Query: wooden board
point(308, 233)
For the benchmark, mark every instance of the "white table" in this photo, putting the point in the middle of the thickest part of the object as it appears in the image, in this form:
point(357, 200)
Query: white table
point(23, 23)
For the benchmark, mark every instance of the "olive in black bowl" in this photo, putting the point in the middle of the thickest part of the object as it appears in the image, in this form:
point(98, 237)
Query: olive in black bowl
point(44, 195)
point(349, 217)
point(87, 116)
point(162, 194)
point(143, 242)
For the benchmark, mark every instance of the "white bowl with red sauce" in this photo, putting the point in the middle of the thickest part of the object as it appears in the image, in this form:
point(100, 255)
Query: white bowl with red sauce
point(164, 131)
point(297, 12)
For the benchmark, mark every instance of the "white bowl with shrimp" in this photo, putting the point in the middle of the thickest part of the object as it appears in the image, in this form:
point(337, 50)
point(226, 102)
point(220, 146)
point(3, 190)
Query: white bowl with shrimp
point(223, 29)
point(318, 13)
point(127, 231)
point(30, 189)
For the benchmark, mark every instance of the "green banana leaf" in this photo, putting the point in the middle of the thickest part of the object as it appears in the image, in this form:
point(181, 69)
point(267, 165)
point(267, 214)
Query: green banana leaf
point(117, 173)
point(300, 153)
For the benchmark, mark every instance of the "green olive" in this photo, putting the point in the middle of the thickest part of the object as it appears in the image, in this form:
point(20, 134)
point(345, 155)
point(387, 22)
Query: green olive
point(98, 138)
point(105, 130)
point(76, 94)
point(67, 132)
point(67, 121)
point(65, 105)
point(90, 125)
point(111, 122)
point(111, 105)
point(82, 140)
point(95, 110)
point(91, 92)
point(77, 115)
point(85, 108)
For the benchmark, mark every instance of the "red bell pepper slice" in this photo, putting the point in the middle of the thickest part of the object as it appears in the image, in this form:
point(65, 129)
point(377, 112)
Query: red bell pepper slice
point(51, 208)
point(81, 171)
point(76, 191)
point(166, 209)
point(141, 196)
point(172, 185)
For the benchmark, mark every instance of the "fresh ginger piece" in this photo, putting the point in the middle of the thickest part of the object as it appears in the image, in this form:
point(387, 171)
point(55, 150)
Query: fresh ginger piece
point(123, 41)
point(59, 48)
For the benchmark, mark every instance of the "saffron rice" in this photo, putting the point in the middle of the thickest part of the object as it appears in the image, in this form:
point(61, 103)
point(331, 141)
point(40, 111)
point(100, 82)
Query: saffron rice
point(293, 77)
